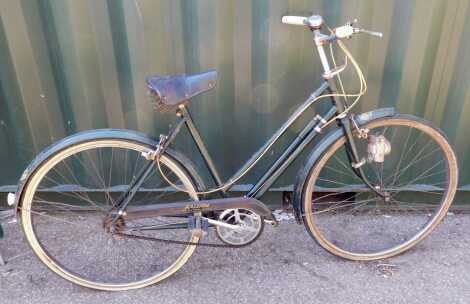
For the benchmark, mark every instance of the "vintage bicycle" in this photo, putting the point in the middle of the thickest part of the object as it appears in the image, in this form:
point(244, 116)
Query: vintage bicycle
point(116, 210)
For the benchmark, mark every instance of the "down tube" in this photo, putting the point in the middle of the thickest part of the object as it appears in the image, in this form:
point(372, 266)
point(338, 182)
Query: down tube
point(288, 156)
point(257, 156)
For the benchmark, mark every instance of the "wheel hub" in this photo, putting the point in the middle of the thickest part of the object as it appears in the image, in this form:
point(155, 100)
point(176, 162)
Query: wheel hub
point(111, 226)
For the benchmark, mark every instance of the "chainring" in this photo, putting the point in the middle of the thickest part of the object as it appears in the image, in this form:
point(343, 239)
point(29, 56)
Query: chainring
point(250, 226)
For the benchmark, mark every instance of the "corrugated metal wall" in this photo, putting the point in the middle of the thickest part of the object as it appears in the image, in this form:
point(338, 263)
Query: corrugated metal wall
point(70, 65)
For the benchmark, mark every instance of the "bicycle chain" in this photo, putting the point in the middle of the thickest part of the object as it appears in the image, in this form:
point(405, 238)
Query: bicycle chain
point(148, 238)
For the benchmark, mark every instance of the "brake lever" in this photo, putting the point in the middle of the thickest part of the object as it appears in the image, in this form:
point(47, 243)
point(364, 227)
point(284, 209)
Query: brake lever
point(372, 33)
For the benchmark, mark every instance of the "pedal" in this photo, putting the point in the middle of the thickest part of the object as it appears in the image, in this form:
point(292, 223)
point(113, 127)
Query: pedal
point(198, 225)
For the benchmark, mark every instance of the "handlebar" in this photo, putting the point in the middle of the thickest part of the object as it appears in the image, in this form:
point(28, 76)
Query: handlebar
point(315, 22)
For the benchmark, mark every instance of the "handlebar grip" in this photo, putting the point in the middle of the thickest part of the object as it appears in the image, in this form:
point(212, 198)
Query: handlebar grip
point(294, 20)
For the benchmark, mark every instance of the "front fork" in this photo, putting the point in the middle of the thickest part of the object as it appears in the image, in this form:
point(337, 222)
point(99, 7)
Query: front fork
point(355, 160)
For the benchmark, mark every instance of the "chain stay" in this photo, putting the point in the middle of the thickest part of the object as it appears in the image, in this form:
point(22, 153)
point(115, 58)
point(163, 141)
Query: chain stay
point(148, 238)
point(197, 225)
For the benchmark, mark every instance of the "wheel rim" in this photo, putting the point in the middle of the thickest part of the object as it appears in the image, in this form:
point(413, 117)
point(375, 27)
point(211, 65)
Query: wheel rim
point(356, 225)
point(100, 260)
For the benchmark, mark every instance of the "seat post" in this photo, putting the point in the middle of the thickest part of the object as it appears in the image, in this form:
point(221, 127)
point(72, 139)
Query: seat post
point(184, 112)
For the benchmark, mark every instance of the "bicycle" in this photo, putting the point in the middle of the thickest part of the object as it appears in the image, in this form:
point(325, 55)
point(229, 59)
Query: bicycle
point(116, 210)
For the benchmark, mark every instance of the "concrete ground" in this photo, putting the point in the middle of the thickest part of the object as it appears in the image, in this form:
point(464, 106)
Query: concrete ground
point(284, 266)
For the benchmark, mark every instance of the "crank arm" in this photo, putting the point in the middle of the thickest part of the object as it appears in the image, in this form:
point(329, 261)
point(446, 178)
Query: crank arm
point(222, 224)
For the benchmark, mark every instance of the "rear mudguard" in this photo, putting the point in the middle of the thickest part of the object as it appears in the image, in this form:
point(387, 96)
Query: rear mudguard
point(318, 151)
point(85, 136)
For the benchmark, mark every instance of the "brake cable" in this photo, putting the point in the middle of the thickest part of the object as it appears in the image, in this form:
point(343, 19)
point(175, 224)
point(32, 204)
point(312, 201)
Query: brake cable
point(362, 91)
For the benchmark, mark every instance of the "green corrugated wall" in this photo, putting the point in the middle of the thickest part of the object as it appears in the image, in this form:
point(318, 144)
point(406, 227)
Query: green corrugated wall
point(71, 65)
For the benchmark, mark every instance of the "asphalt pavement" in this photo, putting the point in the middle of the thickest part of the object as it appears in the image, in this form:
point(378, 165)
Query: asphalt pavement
point(284, 266)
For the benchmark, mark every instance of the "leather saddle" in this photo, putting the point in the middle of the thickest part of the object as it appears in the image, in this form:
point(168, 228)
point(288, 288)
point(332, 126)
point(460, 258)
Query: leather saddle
point(171, 91)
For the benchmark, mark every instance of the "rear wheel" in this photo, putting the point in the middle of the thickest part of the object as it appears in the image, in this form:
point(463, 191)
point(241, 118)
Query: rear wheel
point(65, 205)
point(419, 176)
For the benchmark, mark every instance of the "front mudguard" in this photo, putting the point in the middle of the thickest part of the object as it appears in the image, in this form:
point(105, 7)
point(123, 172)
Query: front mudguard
point(321, 148)
point(85, 136)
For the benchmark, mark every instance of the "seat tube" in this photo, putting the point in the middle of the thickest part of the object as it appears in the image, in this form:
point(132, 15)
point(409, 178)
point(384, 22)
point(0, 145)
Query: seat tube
point(200, 146)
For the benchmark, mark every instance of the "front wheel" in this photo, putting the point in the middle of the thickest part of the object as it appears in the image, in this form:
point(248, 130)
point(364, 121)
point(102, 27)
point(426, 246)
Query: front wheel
point(418, 175)
point(64, 210)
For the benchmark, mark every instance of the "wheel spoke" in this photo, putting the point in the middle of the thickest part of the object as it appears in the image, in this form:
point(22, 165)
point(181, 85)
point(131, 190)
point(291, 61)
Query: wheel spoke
point(69, 215)
point(414, 179)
